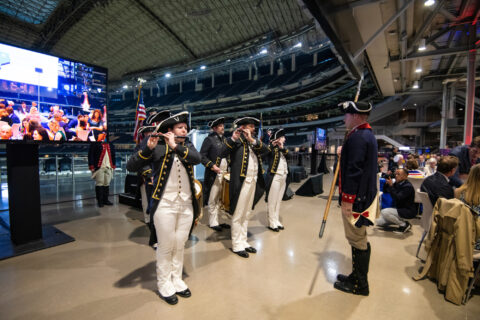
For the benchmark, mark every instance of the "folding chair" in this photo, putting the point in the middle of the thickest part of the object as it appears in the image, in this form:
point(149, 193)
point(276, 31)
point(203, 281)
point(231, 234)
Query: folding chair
point(426, 219)
point(476, 276)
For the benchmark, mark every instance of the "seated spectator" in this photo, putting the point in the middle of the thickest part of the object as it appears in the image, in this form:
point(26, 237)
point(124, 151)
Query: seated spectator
point(23, 109)
point(431, 166)
point(467, 157)
point(403, 195)
point(40, 134)
point(437, 185)
point(5, 132)
point(421, 161)
point(56, 134)
point(469, 192)
point(4, 117)
point(35, 115)
point(412, 166)
point(30, 128)
point(12, 115)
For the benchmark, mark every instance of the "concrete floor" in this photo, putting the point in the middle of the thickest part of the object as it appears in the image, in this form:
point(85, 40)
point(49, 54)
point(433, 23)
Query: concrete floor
point(109, 271)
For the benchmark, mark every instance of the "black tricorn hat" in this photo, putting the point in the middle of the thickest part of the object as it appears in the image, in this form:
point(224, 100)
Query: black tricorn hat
point(216, 122)
point(278, 134)
point(146, 129)
point(355, 107)
point(246, 120)
point(157, 117)
point(169, 122)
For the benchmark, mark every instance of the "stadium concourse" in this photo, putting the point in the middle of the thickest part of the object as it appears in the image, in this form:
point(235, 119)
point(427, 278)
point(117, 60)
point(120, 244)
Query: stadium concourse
point(73, 73)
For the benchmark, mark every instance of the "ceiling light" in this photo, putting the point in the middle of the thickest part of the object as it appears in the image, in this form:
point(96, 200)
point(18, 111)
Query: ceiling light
point(418, 68)
point(228, 60)
point(99, 90)
point(264, 51)
point(168, 75)
point(190, 70)
point(423, 45)
point(203, 67)
point(125, 86)
point(429, 3)
point(415, 85)
point(298, 45)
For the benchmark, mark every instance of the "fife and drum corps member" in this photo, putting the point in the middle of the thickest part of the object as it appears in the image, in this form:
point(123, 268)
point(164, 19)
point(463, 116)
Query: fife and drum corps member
point(174, 206)
point(358, 192)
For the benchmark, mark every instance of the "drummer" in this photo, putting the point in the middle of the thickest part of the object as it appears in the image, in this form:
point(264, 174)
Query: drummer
point(246, 180)
point(214, 152)
point(174, 206)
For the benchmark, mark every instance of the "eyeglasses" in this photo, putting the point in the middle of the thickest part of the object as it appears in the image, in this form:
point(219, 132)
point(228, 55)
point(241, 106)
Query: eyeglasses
point(346, 104)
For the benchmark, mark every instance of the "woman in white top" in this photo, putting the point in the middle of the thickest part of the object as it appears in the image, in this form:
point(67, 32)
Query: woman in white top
point(431, 167)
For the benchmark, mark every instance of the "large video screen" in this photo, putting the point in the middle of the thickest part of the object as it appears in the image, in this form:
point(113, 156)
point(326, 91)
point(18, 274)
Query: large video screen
point(320, 139)
point(47, 98)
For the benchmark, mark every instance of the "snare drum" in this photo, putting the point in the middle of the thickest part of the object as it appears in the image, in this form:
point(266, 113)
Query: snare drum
point(225, 198)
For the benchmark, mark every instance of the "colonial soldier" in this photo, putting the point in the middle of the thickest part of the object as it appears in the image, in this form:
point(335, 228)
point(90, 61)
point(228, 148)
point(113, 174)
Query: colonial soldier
point(358, 192)
point(174, 206)
point(214, 152)
point(145, 177)
point(277, 179)
point(101, 161)
point(246, 180)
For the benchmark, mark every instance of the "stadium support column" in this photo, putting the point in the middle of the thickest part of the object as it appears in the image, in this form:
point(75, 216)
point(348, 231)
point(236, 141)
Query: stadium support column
point(250, 72)
point(271, 67)
point(213, 80)
point(469, 103)
point(315, 59)
point(443, 123)
point(230, 79)
point(294, 67)
point(451, 108)
point(181, 85)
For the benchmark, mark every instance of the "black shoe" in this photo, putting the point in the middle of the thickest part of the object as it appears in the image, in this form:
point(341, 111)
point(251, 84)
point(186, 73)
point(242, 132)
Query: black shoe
point(225, 226)
point(273, 229)
point(404, 229)
point(280, 227)
point(108, 203)
point(216, 228)
point(251, 250)
point(185, 293)
point(171, 299)
point(242, 254)
point(351, 287)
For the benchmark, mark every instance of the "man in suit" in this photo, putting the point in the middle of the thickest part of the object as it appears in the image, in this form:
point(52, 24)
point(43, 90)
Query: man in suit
point(214, 152)
point(246, 183)
point(467, 156)
point(438, 184)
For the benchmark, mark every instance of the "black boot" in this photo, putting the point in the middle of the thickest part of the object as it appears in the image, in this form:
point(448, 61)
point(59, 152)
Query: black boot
point(99, 195)
point(106, 192)
point(344, 277)
point(357, 281)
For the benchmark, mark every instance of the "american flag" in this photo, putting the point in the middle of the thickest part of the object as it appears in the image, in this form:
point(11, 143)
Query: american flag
point(140, 115)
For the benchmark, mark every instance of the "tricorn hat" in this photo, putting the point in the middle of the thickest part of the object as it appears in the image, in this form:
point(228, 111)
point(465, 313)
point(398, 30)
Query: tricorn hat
point(355, 107)
point(246, 120)
point(277, 134)
point(169, 122)
point(216, 122)
point(146, 129)
point(157, 117)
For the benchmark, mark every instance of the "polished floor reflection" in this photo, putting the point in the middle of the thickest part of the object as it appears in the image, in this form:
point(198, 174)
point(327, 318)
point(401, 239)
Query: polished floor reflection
point(109, 271)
